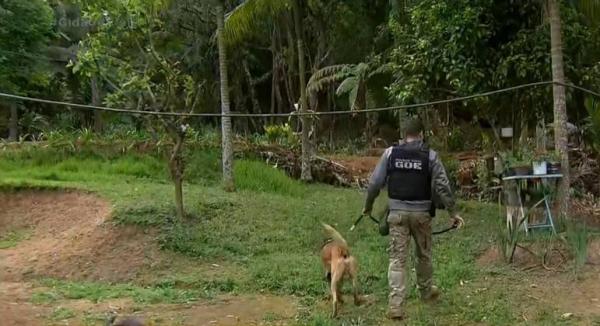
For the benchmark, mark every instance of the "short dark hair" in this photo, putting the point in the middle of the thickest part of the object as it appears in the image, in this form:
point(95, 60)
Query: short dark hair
point(414, 127)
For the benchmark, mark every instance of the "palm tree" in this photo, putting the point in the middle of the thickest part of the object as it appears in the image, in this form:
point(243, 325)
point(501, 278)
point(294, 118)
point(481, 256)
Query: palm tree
point(560, 104)
point(227, 141)
point(305, 174)
point(240, 23)
point(591, 8)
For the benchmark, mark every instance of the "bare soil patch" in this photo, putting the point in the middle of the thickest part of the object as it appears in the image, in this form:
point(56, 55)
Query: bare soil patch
point(16, 308)
point(551, 286)
point(71, 238)
point(226, 310)
point(569, 295)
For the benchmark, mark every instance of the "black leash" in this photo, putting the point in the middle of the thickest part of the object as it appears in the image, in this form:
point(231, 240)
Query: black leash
point(445, 230)
point(377, 222)
point(360, 218)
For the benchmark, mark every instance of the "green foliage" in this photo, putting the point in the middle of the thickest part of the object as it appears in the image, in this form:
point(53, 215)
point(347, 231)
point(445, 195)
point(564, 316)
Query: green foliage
point(578, 239)
point(25, 30)
point(61, 313)
point(518, 158)
point(465, 47)
point(443, 45)
point(451, 165)
point(456, 139)
point(283, 135)
point(253, 176)
point(592, 125)
point(151, 74)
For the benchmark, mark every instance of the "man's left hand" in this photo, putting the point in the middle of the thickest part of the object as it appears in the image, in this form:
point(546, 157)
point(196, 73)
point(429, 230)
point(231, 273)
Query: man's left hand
point(457, 221)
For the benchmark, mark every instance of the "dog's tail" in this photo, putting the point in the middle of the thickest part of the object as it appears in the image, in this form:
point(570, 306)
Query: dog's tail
point(335, 235)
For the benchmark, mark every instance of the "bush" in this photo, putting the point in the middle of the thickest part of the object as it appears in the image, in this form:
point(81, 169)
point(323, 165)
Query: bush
point(282, 135)
point(451, 165)
point(456, 140)
point(257, 176)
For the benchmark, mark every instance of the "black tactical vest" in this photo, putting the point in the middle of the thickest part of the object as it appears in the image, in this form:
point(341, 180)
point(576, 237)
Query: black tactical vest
point(409, 178)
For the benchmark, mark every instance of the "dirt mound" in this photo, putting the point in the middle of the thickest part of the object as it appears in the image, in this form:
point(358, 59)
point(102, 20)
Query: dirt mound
point(532, 256)
point(359, 166)
point(70, 237)
point(525, 257)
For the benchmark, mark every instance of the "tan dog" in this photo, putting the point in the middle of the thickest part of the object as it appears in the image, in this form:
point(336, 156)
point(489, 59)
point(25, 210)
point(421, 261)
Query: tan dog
point(338, 263)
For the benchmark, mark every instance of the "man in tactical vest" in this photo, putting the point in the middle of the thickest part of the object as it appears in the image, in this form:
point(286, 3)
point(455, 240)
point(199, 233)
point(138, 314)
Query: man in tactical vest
point(413, 173)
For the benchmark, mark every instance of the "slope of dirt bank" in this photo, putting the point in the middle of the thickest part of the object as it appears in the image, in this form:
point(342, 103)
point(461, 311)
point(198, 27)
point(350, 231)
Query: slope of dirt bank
point(70, 236)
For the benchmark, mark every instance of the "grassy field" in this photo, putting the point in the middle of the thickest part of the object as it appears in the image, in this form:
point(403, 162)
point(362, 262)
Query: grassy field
point(267, 236)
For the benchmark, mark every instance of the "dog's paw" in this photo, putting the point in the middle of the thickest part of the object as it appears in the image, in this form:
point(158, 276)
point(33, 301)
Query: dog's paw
point(365, 300)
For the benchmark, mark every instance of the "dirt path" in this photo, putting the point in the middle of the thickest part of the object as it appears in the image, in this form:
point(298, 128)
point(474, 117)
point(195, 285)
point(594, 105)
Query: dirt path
point(70, 237)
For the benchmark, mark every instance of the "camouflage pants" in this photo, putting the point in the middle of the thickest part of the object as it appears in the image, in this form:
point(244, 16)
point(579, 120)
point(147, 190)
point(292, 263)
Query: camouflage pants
point(402, 226)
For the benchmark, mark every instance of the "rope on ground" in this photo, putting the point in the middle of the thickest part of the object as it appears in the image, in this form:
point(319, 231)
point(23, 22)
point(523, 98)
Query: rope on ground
point(292, 114)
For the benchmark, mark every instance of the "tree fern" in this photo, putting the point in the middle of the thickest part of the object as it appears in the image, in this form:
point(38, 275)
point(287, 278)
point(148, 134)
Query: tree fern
point(354, 98)
point(326, 77)
point(347, 85)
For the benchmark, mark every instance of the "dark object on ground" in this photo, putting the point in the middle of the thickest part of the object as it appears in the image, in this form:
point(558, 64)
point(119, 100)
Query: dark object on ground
point(125, 322)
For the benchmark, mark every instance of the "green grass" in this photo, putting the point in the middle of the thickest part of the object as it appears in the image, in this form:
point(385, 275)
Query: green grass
point(61, 313)
point(267, 236)
point(12, 238)
point(56, 290)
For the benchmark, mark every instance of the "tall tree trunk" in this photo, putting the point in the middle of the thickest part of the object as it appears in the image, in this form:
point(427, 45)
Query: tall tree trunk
point(227, 141)
point(371, 126)
point(560, 105)
point(274, 68)
point(306, 148)
point(13, 123)
point(98, 123)
point(176, 166)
